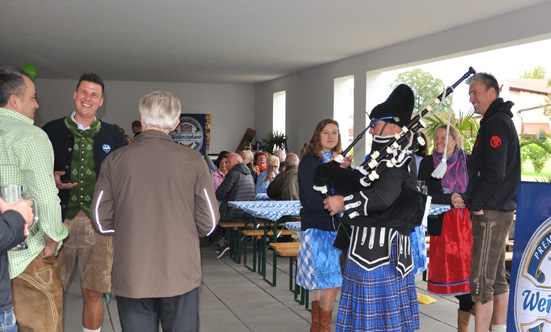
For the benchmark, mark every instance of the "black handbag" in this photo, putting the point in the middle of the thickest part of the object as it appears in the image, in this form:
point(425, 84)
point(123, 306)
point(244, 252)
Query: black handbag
point(435, 224)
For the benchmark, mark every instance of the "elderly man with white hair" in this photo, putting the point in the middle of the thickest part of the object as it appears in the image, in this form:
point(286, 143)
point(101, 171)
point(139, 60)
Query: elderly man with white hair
point(266, 177)
point(157, 198)
point(285, 185)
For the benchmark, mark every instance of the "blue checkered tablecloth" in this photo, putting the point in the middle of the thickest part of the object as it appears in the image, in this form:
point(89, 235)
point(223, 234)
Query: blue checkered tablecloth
point(262, 197)
point(273, 213)
point(293, 225)
point(243, 205)
point(438, 208)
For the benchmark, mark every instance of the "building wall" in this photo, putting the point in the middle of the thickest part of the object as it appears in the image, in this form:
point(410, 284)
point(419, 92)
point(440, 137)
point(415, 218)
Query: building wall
point(231, 106)
point(525, 100)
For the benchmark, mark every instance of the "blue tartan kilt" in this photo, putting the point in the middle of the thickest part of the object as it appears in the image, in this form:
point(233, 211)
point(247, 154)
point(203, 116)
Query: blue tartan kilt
point(318, 265)
point(377, 300)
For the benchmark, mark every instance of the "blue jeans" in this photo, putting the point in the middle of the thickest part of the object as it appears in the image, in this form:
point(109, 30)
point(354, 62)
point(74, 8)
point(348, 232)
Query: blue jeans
point(7, 321)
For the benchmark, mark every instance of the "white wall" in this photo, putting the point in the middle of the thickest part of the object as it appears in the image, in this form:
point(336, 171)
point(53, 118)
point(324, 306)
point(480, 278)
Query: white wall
point(231, 106)
point(310, 92)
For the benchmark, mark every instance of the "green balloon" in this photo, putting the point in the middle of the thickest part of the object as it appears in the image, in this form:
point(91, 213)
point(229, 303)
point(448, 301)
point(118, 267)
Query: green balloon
point(31, 70)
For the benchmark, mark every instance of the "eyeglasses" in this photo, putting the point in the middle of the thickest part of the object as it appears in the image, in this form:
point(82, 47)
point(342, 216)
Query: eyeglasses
point(373, 123)
point(274, 166)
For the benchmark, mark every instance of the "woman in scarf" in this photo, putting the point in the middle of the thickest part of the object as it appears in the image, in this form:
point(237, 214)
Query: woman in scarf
point(260, 162)
point(450, 250)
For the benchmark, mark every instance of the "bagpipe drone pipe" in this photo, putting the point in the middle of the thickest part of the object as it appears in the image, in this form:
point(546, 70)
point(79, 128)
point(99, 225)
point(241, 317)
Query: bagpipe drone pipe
point(330, 178)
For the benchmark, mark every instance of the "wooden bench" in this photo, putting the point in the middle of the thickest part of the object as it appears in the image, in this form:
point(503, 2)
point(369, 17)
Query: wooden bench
point(509, 245)
point(259, 224)
point(508, 261)
point(257, 235)
point(291, 249)
point(284, 249)
point(234, 228)
point(508, 256)
point(260, 235)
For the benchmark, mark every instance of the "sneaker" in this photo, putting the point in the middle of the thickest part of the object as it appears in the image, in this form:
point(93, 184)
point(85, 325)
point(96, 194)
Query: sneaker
point(221, 252)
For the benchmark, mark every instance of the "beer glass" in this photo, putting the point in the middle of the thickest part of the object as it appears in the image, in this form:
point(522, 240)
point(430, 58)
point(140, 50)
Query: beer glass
point(13, 193)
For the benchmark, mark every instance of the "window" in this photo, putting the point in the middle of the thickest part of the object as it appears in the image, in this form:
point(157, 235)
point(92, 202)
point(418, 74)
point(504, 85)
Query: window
point(343, 108)
point(279, 112)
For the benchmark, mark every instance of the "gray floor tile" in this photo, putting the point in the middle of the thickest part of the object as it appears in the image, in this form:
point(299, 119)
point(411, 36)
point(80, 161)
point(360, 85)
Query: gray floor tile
point(234, 299)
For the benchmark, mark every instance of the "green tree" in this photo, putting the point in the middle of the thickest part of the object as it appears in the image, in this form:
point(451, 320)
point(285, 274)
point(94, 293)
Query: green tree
point(425, 88)
point(547, 108)
point(537, 150)
point(538, 73)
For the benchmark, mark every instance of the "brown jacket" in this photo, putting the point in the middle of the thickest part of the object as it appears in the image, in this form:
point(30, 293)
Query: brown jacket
point(157, 198)
point(285, 186)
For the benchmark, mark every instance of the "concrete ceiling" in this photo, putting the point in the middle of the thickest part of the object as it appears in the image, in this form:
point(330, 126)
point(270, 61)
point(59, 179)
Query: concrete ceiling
point(224, 41)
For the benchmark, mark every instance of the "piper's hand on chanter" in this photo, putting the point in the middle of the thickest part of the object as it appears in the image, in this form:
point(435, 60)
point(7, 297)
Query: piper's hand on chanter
point(347, 161)
point(334, 204)
point(60, 184)
point(23, 207)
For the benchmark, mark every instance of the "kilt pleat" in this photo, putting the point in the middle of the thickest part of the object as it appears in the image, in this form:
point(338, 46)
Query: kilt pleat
point(377, 300)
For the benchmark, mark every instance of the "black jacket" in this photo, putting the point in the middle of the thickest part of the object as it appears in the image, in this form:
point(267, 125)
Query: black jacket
point(238, 185)
point(494, 165)
point(63, 142)
point(388, 209)
point(312, 213)
point(253, 172)
point(11, 233)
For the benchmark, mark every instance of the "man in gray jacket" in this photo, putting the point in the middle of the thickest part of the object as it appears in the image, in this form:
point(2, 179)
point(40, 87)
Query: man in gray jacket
point(157, 198)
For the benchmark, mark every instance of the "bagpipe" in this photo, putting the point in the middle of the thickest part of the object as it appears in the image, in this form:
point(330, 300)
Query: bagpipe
point(394, 152)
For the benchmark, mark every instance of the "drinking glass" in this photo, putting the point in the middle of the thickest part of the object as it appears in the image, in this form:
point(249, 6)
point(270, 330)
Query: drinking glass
point(421, 187)
point(13, 193)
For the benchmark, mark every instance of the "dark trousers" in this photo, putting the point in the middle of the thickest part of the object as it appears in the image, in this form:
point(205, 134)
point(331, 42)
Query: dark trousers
point(176, 314)
point(218, 236)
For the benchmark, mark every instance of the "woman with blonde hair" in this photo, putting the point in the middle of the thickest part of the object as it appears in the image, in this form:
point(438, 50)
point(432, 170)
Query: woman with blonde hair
point(248, 158)
point(451, 238)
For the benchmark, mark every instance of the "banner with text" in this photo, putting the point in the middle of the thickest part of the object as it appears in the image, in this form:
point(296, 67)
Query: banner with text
point(530, 288)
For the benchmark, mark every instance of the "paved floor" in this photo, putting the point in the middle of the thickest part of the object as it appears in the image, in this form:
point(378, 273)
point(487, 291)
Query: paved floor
point(232, 298)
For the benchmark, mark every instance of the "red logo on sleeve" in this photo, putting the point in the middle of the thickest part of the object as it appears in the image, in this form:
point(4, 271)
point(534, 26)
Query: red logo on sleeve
point(476, 143)
point(495, 141)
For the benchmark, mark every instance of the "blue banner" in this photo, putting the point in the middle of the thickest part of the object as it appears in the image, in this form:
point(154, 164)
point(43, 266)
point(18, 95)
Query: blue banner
point(530, 288)
point(191, 132)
